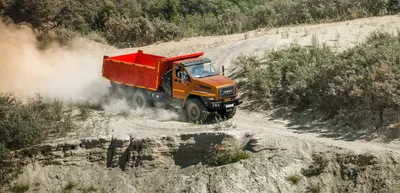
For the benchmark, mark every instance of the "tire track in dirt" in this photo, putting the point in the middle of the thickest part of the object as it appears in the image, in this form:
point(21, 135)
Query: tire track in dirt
point(257, 121)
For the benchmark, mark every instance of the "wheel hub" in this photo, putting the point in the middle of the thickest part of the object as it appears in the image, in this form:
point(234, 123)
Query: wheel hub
point(139, 102)
point(194, 112)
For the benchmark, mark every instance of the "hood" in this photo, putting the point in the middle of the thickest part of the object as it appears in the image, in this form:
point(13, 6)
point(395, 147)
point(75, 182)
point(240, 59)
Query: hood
point(217, 81)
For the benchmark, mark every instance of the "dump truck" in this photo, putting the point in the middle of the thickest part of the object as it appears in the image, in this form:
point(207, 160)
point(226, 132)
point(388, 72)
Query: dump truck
point(187, 82)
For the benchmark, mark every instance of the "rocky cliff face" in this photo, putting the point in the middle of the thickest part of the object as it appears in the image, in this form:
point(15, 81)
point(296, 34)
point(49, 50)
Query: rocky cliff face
point(175, 163)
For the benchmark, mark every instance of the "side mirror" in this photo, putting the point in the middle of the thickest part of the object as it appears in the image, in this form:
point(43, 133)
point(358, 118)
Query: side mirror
point(223, 70)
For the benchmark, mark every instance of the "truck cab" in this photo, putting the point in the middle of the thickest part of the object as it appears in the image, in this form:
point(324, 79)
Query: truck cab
point(201, 87)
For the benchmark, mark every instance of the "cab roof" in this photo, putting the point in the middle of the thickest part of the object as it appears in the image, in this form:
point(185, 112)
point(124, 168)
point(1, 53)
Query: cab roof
point(195, 62)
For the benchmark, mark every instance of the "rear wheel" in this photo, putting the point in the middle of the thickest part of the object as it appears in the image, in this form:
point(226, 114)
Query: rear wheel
point(196, 110)
point(140, 99)
point(227, 113)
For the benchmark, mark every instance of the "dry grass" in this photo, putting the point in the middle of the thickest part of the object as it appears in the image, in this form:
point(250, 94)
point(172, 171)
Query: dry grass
point(88, 189)
point(223, 156)
point(314, 188)
point(221, 124)
point(19, 188)
point(69, 187)
point(294, 179)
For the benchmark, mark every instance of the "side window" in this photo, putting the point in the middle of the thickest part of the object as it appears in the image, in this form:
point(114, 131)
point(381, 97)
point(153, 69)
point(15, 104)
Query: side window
point(178, 70)
point(181, 73)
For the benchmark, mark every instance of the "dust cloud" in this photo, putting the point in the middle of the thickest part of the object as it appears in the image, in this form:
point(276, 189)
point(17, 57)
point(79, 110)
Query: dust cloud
point(67, 73)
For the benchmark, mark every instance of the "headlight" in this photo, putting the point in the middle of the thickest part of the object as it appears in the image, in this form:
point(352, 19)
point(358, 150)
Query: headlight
point(211, 98)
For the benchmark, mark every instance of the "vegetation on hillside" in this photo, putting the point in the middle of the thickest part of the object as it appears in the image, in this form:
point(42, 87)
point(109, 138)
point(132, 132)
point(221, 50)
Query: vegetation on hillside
point(222, 156)
point(125, 23)
point(27, 123)
point(360, 85)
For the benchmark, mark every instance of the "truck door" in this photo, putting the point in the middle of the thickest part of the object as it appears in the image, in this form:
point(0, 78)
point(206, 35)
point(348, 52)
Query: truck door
point(180, 83)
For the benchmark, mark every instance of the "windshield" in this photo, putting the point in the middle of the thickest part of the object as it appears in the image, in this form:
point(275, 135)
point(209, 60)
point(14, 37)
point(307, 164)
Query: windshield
point(202, 70)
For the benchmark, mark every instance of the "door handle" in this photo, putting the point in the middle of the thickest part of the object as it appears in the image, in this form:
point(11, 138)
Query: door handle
point(178, 80)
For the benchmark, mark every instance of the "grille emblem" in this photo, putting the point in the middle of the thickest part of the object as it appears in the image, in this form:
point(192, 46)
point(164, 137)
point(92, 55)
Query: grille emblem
point(226, 92)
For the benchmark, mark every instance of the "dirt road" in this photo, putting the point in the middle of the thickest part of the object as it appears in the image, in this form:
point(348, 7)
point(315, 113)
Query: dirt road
point(257, 124)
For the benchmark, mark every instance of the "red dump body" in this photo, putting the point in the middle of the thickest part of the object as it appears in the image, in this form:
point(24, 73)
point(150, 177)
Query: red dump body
point(139, 69)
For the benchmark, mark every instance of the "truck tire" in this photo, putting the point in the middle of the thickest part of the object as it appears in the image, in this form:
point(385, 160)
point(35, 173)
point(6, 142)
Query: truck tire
point(140, 99)
point(196, 111)
point(167, 82)
point(227, 114)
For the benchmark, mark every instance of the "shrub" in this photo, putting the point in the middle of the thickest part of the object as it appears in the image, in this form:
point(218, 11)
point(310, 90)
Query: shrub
point(360, 83)
point(69, 187)
point(20, 188)
point(85, 108)
point(219, 158)
point(284, 77)
point(3, 151)
point(366, 79)
point(394, 6)
point(61, 36)
point(26, 123)
point(5, 168)
point(294, 179)
point(314, 188)
point(127, 23)
point(165, 31)
point(19, 125)
point(88, 189)
point(125, 32)
point(262, 16)
point(320, 163)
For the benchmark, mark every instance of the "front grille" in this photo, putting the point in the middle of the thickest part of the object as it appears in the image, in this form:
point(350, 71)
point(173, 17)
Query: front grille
point(227, 91)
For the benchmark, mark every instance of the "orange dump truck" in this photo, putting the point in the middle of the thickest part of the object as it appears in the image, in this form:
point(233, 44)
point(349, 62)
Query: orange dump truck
point(189, 82)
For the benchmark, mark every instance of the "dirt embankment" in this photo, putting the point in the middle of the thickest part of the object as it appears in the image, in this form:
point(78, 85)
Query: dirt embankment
point(176, 163)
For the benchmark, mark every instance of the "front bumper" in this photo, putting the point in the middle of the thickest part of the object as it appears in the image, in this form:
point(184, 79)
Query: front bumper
point(218, 105)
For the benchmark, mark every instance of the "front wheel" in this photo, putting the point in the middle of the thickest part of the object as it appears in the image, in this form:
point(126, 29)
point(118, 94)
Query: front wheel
point(227, 113)
point(196, 110)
